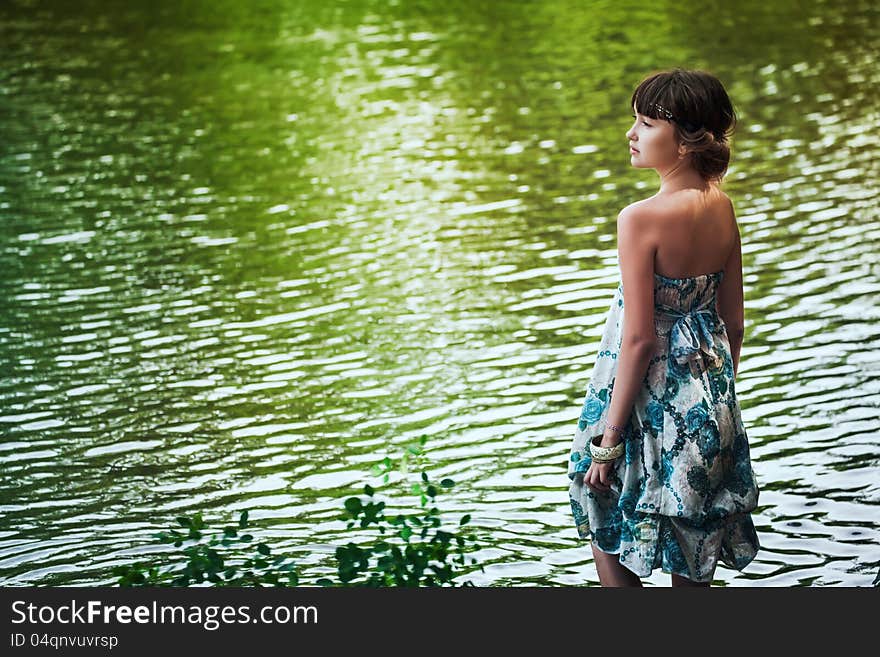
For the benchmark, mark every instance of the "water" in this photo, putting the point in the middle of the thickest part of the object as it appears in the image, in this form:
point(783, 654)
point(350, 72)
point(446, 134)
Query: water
point(247, 254)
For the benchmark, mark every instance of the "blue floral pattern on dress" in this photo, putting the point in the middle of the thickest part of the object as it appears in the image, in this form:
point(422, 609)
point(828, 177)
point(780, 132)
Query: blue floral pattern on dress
point(696, 417)
point(655, 416)
point(592, 411)
point(681, 498)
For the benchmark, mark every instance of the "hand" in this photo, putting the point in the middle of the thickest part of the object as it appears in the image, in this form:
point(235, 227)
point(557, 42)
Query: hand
point(598, 476)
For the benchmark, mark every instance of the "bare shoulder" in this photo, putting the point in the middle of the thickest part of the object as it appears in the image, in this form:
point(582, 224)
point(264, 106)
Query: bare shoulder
point(646, 214)
point(726, 212)
point(638, 229)
point(730, 206)
point(723, 199)
point(647, 208)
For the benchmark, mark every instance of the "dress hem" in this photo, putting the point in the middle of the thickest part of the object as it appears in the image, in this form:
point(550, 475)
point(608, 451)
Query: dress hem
point(735, 555)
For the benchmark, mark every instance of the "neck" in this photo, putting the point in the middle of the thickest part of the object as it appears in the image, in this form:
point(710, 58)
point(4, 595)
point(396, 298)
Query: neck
point(680, 175)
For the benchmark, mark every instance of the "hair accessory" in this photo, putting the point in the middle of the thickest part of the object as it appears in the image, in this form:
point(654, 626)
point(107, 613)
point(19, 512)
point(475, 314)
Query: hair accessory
point(605, 454)
point(687, 125)
point(664, 111)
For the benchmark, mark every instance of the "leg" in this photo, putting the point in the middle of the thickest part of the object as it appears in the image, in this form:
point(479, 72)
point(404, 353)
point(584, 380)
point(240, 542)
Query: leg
point(612, 573)
point(678, 580)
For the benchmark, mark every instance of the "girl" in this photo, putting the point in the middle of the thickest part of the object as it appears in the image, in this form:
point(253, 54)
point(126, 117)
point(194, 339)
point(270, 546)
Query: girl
point(660, 472)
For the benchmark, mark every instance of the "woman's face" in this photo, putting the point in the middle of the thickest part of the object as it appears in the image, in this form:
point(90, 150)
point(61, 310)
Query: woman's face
point(654, 141)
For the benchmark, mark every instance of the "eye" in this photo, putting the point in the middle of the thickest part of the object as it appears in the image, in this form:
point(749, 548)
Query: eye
point(647, 124)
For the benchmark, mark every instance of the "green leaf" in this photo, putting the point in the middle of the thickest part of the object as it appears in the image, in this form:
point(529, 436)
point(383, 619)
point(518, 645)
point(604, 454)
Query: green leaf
point(353, 505)
point(262, 548)
point(243, 519)
point(424, 476)
point(184, 521)
point(465, 519)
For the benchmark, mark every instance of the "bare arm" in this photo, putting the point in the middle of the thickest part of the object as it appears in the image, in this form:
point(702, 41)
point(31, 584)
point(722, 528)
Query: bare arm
point(636, 248)
point(730, 299)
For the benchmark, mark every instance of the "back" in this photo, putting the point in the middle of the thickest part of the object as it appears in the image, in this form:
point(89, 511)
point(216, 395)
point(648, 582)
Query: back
point(698, 235)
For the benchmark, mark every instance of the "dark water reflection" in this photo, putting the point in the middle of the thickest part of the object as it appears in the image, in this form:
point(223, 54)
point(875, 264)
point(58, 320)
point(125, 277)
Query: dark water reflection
point(248, 254)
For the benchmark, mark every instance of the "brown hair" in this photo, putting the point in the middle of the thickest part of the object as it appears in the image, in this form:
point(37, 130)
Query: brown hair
point(700, 111)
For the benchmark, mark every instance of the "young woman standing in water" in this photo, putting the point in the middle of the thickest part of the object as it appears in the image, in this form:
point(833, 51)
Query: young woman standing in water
point(659, 469)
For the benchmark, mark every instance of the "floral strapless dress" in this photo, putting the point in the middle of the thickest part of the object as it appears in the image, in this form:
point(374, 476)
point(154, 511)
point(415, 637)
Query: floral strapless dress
point(681, 497)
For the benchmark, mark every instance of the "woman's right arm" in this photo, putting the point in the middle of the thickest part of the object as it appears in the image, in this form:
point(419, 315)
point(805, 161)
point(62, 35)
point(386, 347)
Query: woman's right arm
point(730, 299)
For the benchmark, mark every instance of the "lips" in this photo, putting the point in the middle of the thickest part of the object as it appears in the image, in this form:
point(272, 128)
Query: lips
point(633, 149)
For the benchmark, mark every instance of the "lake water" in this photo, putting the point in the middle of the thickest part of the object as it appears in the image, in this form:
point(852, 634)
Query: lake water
point(249, 253)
